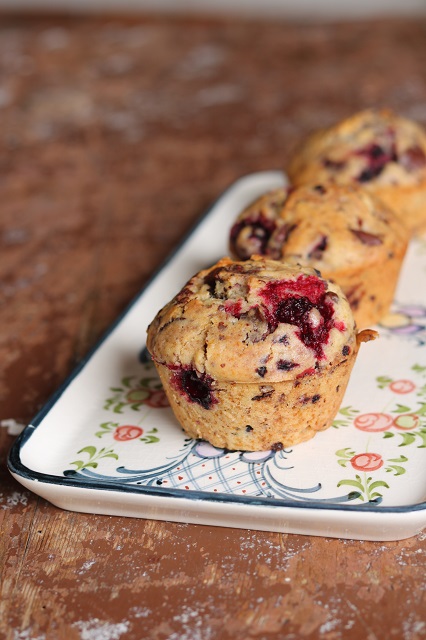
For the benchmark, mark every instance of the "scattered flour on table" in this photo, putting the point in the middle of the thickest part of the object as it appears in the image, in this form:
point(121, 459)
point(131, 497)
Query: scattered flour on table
point(12, 500)
point(193, 626)
point(27, 634)
point(14, 428)
point(97, 630)
point(86, 566)
point(413, 628)
point(140, 612)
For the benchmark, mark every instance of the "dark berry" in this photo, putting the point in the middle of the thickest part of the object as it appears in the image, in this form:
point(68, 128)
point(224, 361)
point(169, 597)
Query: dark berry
point(249, 428)
point(369, 174)
point(291, 301)
point(292, 310)
point(260, 230)
point(377, 158)
point(315, 398)
point(346, 350)
point(196, 387)
point(278, 446)
point(261, 371)
point(375, 151)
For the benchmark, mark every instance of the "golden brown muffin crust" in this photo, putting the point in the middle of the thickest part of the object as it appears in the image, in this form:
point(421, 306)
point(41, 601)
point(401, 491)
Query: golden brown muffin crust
point(252, 321)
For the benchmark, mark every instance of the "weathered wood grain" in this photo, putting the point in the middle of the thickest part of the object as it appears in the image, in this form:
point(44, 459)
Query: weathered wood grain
point(115, 135)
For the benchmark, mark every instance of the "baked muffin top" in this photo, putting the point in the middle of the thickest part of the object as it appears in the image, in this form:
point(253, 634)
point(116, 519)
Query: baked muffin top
point(372, 148)
point(253, 321)
point(328, 227)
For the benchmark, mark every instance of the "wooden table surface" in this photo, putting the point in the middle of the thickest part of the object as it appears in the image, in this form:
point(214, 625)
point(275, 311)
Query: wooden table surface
point(115, 135)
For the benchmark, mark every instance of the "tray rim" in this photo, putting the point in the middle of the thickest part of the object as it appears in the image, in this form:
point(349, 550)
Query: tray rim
point(18, 469)
point(22, 472)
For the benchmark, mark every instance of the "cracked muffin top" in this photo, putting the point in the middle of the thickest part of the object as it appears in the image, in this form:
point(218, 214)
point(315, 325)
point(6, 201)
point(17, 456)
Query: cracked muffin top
point(328, 227)
point(374, 148)
point(253, 321)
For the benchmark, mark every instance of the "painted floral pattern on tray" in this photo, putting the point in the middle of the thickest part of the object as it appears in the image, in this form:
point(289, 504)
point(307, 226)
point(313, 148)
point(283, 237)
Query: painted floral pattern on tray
point(407, 321)
point(368, 469)
point(404, 420)
point(137, 392)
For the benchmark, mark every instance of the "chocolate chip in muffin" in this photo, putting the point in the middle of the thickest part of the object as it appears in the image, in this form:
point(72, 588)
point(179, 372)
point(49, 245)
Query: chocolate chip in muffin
point(282, 339)
point(377, 158)
point(310, 399)
point(317, 251)
point(259, 327)
point(354, 296)
point(184, 294)
point(334, 165)
point(211, 280)
point(369, 239)
point(319, 188)
point(265, 392)
point(286, 365)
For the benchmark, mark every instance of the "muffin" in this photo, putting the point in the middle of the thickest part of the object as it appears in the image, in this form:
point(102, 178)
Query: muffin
point(377, 149)
point(350, 236)
point(255, 355)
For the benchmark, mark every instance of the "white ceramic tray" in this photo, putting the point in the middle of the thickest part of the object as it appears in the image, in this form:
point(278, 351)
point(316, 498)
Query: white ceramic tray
point(107, 442)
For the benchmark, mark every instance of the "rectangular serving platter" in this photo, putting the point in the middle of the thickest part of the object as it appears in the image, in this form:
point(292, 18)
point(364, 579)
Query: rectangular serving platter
point(107, 442)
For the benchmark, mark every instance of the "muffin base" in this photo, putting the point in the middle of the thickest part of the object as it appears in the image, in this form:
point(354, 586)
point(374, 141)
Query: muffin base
point(259, 417)
point(370, 291)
